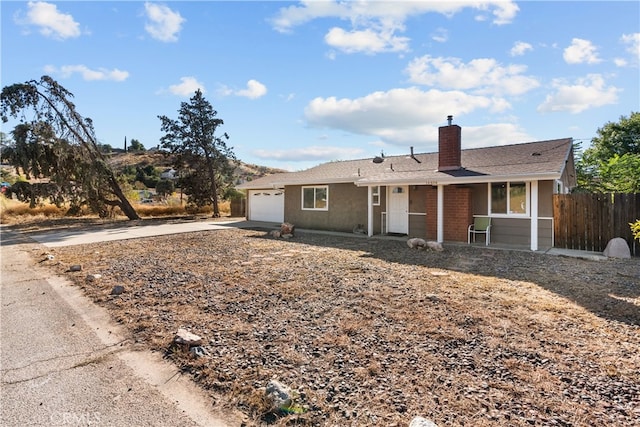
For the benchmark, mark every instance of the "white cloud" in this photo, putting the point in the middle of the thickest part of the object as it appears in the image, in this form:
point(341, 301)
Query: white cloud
point(398, 116)
point(87, 73)
point(440, 35)
point(187, 87)
point(633, 42)
point(520, 48)
point(581, 51)
point(493, 134)
point(52, 23)
point(288, 97)
point(504, 12)
point(588, 92)
point(308, 10)
point(482, 75)
point(316, 152)
point(367, 41)
point(375, 24)
point(254, 90)
point(620, 62)
point(358, 11)
point(164, 24)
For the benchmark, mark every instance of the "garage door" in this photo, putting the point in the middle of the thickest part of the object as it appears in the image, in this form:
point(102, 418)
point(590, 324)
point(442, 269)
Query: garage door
point(266, 205)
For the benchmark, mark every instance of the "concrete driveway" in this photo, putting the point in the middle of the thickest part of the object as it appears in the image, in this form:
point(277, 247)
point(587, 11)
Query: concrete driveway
point(64, 363)
point(64, 237)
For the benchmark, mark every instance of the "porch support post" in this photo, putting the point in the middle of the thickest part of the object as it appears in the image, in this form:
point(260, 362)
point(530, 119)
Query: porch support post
point(534, 215)
point(440, 214)
point(369, 211)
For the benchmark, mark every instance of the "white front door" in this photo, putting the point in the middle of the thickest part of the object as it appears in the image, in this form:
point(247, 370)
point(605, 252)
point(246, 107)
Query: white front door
point(398, 209)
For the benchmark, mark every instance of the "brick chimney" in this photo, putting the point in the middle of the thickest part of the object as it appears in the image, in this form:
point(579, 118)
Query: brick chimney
point(449, 146)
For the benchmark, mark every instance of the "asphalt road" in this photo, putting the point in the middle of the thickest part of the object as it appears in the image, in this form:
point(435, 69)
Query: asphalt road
point(64, 363)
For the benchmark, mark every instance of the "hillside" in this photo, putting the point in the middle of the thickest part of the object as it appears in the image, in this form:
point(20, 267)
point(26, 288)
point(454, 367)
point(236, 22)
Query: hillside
point(244, 171)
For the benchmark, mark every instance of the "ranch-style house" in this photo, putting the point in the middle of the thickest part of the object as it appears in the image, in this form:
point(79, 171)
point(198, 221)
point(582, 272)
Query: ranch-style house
point(434, 196)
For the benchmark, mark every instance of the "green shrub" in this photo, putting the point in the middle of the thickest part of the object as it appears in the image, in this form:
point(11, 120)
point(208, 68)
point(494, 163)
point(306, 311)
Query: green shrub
point(635, 229)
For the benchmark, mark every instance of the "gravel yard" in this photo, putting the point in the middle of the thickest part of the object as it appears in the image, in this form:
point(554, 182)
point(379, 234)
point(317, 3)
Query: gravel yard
point(370, 332)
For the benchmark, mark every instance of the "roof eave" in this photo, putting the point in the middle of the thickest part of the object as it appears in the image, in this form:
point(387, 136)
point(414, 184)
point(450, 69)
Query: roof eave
point(461, 180)
point(500, 178)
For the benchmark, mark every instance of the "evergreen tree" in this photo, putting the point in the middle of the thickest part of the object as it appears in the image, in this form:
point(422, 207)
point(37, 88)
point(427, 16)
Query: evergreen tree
point(204, 160)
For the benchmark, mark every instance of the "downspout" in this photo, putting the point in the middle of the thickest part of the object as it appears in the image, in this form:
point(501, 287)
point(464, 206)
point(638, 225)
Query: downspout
point(440, 214)
point(534, 215)
point(370, 211)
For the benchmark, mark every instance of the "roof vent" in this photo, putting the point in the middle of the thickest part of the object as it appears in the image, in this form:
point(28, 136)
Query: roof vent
point(536, 154)
point(414, 157)
point(378, 159)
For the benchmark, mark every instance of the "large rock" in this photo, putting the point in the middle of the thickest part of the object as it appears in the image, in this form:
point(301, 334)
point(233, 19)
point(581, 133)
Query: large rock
point(617, 248)
point(187, 339)
point(416, 243)
point(422, 422)
point(287, 229)
point(420, 244)
point(278, 395)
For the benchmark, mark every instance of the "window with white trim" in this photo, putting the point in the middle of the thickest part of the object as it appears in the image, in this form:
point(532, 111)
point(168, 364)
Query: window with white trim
point(315, 198)
point(509, 198)
point(375, 195)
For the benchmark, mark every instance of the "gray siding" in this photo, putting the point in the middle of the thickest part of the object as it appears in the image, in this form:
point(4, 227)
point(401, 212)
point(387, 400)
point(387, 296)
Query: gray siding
point(347, 209)
point(517, 231)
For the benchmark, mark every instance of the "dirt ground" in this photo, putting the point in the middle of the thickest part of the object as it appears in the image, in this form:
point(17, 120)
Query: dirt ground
point(370, 332)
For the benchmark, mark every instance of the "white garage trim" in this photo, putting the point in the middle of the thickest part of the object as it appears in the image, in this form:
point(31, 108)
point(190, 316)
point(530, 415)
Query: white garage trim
point(266, 205)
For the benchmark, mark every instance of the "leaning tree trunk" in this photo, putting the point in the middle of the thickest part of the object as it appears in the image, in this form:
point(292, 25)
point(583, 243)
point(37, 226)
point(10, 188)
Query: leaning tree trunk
point(66, 116)
point(124, 205)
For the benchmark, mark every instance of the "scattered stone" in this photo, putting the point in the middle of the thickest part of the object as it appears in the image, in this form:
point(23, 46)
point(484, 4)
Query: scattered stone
point(275, 233)
point(93, 277)
point(439, 273)
point(376, 356)
point(47, 257)
point(278, 395)
point(432, 298)
point(422, 422)
point(76, 267)
point(421, 244)
point(435, 246)
point(117, 290)
point(617, 248)
point(287, 230)
point(187, 339)
point(359, 229)
point(198, 351)
point(416, 243)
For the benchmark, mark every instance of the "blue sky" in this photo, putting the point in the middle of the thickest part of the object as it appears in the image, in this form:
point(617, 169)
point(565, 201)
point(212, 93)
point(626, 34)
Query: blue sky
point(301, 83)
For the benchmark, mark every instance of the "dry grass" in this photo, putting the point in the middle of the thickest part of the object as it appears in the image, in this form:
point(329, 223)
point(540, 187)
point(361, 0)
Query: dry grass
point(368, 335)
point(13, 212)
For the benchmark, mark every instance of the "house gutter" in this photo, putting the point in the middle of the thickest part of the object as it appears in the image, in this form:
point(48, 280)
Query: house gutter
point(365, 182)
point(461, 180)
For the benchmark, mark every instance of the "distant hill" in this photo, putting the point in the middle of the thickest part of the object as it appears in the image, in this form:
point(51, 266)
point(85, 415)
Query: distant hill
point(119, 160)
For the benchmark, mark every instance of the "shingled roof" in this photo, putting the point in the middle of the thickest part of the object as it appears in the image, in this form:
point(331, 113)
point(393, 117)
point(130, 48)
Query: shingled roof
point(526, 161)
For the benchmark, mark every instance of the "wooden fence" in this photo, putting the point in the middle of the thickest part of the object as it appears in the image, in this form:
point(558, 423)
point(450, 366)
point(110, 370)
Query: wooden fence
point(238, 207)
point(588, 221)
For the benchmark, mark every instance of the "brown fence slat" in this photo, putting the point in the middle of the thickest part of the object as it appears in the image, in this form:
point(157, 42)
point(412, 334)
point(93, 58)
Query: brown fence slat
point(588, 221)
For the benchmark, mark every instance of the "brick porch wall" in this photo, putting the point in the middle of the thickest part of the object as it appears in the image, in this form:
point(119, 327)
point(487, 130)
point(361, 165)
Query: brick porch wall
point(457, 213)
